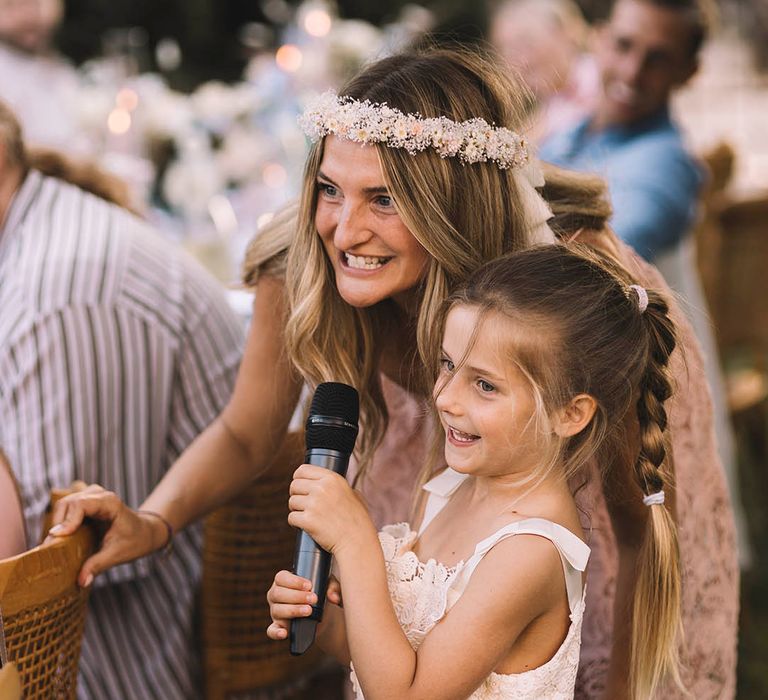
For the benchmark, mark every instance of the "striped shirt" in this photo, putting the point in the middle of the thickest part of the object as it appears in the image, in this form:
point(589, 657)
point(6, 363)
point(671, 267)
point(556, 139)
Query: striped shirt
point(116, 350)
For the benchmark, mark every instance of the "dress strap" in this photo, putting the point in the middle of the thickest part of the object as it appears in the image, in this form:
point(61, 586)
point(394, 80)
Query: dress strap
point(440, 490)
point(574, 554)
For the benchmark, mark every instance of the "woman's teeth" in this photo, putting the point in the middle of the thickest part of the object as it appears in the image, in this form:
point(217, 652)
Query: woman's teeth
point(462, 437)
point(364, 262)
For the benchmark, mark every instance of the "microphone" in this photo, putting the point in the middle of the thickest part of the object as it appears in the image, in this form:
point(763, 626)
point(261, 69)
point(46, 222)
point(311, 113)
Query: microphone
point(331, 431)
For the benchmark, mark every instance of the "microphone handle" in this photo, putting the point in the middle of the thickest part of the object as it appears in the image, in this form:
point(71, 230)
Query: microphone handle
point(311, 561)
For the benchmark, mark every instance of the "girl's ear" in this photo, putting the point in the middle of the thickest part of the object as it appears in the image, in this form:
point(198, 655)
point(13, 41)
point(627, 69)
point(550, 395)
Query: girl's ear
point(575, 416)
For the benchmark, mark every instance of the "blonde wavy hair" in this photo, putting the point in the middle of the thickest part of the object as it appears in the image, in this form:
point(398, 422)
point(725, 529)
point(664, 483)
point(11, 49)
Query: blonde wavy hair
point(463, 215)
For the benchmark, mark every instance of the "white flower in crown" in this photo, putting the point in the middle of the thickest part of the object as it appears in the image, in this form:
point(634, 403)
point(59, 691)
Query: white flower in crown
point(472, 141)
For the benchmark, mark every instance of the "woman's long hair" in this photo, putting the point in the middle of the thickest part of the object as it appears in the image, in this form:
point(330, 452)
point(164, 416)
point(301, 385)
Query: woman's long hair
point(463, 215)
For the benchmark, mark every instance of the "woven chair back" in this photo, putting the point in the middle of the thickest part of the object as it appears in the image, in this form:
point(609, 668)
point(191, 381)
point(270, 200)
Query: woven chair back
point(741, 304)
point(42, 615)
point(245, 543)
point(10, 683)
point(719, 163)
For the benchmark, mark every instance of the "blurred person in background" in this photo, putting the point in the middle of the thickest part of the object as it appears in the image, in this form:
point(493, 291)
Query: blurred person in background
point(116, 350)
point(545, 40)
point(12, 535)
point(645, 51)
point(35, 81)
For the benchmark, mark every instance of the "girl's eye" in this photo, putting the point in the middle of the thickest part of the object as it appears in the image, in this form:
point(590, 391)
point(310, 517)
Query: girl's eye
point(447, 365)
point(485, 386)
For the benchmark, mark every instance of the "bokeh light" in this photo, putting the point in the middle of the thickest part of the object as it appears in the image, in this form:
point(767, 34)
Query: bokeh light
point(289, 57)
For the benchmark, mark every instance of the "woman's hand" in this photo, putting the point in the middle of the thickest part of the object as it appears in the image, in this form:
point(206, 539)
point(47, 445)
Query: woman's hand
point(323, 504)
point(128, 535)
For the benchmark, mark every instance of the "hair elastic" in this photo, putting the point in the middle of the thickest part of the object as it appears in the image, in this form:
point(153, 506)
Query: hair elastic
point(654, 499)
point(642, 297)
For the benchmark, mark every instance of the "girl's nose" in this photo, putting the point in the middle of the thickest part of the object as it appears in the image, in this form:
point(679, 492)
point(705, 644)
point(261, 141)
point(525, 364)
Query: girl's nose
point(446, 397)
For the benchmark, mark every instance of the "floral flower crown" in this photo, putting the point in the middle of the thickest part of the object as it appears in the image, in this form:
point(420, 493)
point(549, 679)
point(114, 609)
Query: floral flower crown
point(472, 141)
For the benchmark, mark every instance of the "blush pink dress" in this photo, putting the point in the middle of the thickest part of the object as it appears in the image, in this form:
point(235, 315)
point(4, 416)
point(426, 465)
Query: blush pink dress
point(705, 522)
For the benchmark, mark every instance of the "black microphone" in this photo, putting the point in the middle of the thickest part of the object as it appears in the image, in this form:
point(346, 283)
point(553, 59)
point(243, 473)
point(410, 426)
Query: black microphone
point(330, 439)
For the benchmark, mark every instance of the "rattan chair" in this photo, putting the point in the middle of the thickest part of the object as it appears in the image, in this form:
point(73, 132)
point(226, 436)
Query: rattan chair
point(42, 615)
point(741, 303)
point(245, 544)
point(10, 683)
point(719, 163)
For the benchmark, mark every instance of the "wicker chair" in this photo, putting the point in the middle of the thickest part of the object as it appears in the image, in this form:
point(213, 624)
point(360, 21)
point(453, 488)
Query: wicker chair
point(245, 544)
point(10, 683)
point(720, 164)
point(740, 311)
point(43, 614)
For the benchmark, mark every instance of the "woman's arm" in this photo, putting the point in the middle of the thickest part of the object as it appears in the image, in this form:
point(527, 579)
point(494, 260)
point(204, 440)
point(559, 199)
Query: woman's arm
point(222, 460)
point(240, 443)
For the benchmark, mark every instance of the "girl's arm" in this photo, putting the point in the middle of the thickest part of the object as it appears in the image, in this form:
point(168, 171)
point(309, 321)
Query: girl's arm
point(222, 460)
point(501, 600)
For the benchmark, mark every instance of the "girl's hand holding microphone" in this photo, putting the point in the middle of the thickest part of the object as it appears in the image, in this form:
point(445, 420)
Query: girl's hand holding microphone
point(127, 534)
point(324, 505)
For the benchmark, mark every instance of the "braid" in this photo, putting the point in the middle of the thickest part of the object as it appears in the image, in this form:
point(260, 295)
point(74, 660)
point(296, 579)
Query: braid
point(656, 619)
point(655, 389)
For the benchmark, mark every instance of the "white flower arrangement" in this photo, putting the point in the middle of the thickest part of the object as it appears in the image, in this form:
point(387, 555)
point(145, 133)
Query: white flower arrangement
point(472, 141)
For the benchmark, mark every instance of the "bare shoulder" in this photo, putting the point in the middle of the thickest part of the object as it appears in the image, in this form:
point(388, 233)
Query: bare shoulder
point(528, 566)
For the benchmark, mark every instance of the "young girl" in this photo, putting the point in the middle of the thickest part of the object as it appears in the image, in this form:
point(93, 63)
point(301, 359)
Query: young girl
point(486, 598)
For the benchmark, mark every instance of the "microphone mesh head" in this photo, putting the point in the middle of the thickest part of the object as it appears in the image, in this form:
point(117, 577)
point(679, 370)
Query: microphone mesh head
point(339, 401)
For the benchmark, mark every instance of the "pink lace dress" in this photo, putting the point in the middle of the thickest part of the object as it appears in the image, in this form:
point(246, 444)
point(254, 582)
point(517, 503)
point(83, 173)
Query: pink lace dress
point(423, 593)
point(705, 521)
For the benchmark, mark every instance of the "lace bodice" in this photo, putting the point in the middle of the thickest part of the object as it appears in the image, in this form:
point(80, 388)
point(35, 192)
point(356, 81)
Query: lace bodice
point(423, 592)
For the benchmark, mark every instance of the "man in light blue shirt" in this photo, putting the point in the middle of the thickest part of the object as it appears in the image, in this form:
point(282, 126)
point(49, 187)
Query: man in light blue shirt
point(645, 50)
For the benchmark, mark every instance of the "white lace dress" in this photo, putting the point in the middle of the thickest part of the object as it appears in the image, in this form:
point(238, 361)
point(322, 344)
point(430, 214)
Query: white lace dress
point(423, 592)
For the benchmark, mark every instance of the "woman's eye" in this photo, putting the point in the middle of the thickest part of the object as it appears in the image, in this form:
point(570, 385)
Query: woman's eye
point(447, 365)
point(486, 387)
point(327, 190)
point(385, 201)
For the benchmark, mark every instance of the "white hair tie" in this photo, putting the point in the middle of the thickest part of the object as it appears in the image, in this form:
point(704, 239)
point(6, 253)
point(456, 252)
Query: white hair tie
point(654, 499)
point(642, 297)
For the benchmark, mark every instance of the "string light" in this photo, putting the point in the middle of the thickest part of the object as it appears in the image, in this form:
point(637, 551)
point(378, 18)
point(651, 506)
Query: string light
point(317, 23)
point(289, 57)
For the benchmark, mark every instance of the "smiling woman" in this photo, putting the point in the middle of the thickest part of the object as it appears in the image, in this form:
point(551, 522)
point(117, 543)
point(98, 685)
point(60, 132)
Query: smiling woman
point(374, 255)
